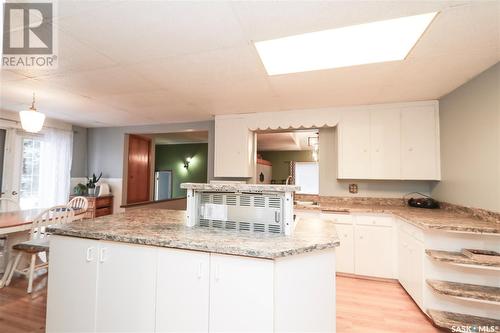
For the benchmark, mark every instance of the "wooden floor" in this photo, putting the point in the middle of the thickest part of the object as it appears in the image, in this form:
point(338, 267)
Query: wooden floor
point(363, 306)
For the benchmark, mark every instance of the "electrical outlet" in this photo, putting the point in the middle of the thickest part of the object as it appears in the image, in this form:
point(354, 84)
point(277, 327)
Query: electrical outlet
point(353, 188)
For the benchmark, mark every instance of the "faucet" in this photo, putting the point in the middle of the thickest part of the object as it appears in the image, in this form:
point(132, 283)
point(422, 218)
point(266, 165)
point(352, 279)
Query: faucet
point(287, 181)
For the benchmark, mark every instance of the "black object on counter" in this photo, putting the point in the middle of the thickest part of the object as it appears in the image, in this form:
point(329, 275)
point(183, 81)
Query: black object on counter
point(423, 202)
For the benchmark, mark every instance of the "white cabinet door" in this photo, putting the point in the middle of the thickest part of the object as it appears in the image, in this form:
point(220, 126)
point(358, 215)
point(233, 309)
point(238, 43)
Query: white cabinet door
point(234, 148)
point(420, 143)
point(404, 261)
point(354, 145)
point(183, 291)
point(241, 294)
point(385, 144)
point(126, 288)
point(345, 252)
point(373, 248)
point(71, 299)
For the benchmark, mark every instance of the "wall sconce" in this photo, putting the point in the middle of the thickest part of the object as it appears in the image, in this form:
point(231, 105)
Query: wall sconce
point(186, 162)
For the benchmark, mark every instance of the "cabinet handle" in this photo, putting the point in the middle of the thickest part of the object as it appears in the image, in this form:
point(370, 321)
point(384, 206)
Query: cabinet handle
point(360, 237)
point(89, 255)
point(345, 235)
point(200, 270)
point(102, 256)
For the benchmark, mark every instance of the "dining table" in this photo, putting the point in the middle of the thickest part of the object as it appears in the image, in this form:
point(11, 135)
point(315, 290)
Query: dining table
point(14, 228)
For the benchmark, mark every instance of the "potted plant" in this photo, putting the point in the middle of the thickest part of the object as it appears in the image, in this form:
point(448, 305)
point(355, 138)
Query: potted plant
point(91, 182)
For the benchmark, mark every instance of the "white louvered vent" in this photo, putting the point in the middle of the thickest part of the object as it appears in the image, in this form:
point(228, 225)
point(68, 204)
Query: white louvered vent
point(230, 225)
point(259, 201)
point(245, 226)
point(245, 200)
point(260, 213)
point(274, 228)
point(231, 200)
point(217, 198)
point(274, 202)
point(217, 224)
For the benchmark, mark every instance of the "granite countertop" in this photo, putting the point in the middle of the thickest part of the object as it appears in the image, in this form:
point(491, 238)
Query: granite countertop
point(432, 219)
point(166, 228)
point(236, 187)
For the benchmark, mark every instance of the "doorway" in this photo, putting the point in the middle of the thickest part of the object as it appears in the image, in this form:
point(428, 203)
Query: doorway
point(289, 157)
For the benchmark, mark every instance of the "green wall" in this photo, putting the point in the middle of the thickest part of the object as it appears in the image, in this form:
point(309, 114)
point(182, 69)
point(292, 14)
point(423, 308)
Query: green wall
point(172, 157)
point(281, 159)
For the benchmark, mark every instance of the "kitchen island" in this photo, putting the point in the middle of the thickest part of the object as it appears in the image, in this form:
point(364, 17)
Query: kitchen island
point(145, 270)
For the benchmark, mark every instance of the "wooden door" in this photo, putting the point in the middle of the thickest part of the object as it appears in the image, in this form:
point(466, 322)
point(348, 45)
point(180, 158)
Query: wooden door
point(139, 169)
point(71, 300)
point(182, 291)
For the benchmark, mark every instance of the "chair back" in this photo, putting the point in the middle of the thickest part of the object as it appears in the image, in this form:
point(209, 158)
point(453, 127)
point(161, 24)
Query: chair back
point(79, 205)
point(8, 205)
point(51, 216)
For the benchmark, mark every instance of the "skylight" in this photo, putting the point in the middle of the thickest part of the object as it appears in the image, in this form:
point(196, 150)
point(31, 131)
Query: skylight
point(380, 41)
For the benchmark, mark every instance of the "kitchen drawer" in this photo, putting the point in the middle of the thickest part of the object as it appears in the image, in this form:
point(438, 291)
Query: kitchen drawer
point(102, 211)
point(104, 202)
point(411, 230)
point(375, 220)
point(339, 218)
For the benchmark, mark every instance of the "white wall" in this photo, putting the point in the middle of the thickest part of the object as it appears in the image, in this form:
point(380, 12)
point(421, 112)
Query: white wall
point(329, 185)
point(470, 143)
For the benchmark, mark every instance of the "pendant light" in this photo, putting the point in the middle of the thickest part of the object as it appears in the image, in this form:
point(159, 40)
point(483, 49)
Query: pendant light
point(32, 120)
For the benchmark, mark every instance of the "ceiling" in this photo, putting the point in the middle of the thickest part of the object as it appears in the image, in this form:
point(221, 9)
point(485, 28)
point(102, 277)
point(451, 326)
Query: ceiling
point(180, 137)
point(292, 140)
point(149, 62)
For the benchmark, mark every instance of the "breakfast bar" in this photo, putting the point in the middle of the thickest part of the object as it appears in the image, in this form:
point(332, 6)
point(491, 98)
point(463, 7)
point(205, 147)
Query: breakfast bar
point(146, 270)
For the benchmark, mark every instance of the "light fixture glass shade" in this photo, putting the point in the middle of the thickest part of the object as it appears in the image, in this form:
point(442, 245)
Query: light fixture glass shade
point(32, 121)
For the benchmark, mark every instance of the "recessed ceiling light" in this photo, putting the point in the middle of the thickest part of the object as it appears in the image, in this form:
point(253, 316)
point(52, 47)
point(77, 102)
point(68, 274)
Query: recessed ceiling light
point(380, 41)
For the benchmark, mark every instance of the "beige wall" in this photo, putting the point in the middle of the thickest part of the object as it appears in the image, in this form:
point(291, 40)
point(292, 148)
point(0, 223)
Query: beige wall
point(470, 143)
point(329, 185)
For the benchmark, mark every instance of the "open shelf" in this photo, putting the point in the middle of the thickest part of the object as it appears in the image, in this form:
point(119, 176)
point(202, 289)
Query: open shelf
point(478, 293)
point(458, 258)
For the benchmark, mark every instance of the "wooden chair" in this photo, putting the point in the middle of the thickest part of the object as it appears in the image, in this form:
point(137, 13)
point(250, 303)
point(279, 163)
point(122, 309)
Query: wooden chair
point(8, 205)
point(79, 205)
point(38, 243)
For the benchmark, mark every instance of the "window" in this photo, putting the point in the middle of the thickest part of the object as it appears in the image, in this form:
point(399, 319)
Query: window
point(30, 173)
point(307, 177)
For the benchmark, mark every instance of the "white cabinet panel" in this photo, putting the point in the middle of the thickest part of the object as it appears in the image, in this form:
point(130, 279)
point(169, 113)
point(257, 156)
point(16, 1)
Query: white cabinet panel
point(234, 148)
point(411, 265)
point(345, 252)
point(420, 143)
point(183, 291)
point(71, 299)
point(354, 145)
point(241, 294)
point(385, 144)
point(126, 296)
point(373, 247)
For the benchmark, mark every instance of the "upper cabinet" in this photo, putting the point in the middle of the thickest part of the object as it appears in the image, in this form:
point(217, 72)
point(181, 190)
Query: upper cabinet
point(354, 144)
point(420, 143)
point(398, 142)
point(234, 148)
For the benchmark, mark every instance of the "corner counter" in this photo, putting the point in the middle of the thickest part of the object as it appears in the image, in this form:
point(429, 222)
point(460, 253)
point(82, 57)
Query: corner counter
point(170, 277)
